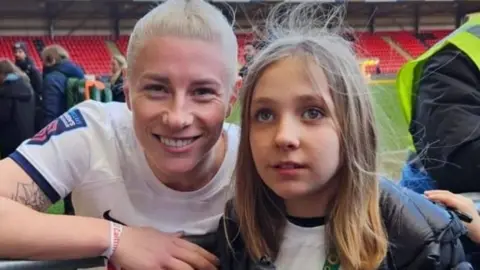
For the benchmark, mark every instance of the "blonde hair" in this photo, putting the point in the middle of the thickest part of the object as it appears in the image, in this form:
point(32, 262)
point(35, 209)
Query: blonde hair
point(195, 19)
point(8, 67)
point(122, 63)
point(355, 229)
point(54, 54)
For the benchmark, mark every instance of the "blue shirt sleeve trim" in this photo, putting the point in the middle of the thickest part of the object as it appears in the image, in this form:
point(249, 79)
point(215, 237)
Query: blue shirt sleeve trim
point(36, 176)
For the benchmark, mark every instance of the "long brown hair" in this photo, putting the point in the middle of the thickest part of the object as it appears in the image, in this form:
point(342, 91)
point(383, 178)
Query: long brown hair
point(355, 228)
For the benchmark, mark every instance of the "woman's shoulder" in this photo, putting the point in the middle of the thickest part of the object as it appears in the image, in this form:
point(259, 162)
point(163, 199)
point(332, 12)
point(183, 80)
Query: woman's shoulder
point(419, 231)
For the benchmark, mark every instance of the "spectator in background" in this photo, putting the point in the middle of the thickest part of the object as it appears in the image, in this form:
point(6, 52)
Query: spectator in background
point(119, 65)
point(440, 96)
point(17, 108)
point(56, 71)
point(250, 53)
point(25, 63)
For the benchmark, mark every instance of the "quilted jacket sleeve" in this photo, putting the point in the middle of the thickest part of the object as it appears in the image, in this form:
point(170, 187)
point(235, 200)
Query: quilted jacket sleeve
point(422, 235)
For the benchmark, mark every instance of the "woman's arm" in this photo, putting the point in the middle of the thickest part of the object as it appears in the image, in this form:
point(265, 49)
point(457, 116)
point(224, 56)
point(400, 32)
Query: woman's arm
point(28, 234)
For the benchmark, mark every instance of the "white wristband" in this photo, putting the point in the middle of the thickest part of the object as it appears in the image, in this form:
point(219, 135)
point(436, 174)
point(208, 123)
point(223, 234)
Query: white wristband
point(115, 232)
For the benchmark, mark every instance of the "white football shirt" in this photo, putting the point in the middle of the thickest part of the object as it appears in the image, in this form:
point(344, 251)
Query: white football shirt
point(302, 248)
point(92, 151)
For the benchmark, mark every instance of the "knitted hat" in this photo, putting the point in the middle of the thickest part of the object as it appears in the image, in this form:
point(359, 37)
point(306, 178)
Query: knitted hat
point(20, 46)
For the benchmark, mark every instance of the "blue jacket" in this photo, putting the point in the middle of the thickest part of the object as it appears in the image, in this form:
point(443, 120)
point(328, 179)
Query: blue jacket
point(54, 85)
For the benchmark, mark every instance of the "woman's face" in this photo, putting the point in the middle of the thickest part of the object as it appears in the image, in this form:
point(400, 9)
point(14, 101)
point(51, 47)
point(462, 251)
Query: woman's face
point(178, 93)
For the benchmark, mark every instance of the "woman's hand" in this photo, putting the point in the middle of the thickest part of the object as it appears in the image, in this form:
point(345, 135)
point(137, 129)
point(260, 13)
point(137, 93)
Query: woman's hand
point(460, 203)
point(147, 248)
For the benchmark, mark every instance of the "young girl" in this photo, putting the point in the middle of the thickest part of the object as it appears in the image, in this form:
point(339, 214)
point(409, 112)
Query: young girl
point(307, 192)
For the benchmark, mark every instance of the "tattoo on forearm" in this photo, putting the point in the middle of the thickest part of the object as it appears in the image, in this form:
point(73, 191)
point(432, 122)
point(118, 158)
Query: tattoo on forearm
point(31, 195)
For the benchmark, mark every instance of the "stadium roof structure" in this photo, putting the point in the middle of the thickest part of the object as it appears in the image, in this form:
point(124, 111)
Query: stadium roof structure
point(245, 10)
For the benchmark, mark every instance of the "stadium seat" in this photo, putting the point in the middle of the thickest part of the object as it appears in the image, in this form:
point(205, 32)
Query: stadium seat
point(373, 46)
point(122, 44)
point(408, 42)
point(438, 34)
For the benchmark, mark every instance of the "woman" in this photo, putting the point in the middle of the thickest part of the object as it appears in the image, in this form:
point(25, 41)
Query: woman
point(17, 108)
point(160, 164)
point(119, 65)
point(307, 189)
point(56, 71)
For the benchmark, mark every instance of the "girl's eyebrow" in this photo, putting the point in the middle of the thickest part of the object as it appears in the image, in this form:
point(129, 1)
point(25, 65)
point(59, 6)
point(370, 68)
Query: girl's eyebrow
point(306, 98)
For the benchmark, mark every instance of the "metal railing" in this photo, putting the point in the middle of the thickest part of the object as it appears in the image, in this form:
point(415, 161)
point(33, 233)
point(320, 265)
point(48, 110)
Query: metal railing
point(206, 241)
point(53, 265)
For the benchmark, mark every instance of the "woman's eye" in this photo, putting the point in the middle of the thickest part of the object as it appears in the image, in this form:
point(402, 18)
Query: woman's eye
point(312, 114)
point(156, 88)
point(264, 116)
point(203, 92)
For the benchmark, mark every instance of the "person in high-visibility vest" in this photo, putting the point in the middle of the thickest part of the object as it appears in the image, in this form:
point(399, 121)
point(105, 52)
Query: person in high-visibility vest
point(440, 97)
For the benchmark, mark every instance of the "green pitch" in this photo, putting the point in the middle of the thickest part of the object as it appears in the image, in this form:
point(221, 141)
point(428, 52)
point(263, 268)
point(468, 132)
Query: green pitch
point(391, 125)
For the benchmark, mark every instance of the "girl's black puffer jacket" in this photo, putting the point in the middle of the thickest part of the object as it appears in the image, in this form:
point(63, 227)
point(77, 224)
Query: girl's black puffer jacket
point(423, 236)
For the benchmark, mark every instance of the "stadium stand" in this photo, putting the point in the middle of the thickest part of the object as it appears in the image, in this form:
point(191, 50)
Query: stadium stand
point(408, 42)
point(373, 46)
point(437, 36)
point(90, 52)
point(122, 44)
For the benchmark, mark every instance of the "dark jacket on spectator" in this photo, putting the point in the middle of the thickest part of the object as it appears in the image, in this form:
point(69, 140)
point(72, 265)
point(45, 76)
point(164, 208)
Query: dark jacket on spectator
point(54, 85)
point(117, 89)
point(422, 236)
point(446, 121)
point(33, 74)
point(17, 113)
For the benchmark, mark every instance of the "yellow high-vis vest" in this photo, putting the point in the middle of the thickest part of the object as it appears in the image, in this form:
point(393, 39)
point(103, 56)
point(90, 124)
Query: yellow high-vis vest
point(466, 38)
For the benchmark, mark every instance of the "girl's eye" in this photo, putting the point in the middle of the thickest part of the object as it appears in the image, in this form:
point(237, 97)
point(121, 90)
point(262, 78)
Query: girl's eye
point(312, 114)
point(264, 116)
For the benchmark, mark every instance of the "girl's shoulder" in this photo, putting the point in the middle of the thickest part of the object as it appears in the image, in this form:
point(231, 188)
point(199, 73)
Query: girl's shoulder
point(420, 233)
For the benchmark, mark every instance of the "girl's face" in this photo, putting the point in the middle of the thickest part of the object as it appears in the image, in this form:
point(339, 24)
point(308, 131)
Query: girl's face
point(294, 142)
